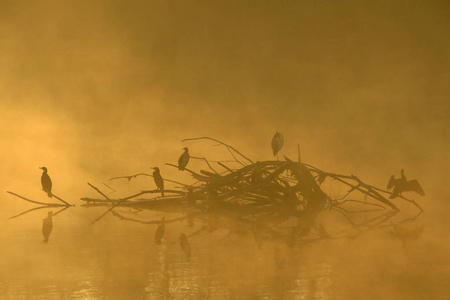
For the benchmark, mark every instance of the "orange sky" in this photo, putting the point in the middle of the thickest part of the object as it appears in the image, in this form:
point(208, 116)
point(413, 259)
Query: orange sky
point(94, 90)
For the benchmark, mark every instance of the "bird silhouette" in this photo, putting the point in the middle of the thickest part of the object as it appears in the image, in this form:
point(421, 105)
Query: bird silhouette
point(47, 226)
point(158, 180)
point(185, 245)
point(401, 185)
point(184, 159)
point(46, 182)
point(277, 142)
point(159, 233)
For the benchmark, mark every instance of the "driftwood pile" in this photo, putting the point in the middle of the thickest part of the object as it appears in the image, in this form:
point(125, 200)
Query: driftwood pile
point(279, 198)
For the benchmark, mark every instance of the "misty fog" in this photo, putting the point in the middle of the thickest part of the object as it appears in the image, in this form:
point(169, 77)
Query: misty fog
point(93, 90)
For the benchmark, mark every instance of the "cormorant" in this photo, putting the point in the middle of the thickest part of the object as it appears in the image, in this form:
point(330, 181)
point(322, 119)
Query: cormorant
point(46, 182)
point(158, 180)
point(183, 160)
point(185, 245)
point(47, 226)
point(159, 233)
point(402, 185)
point(277, 142)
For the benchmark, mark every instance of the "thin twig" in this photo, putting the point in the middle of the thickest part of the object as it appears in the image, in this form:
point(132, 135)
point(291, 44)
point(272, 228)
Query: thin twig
point(226, 145)
point(144, 174)
point(100, 192)
point(224, 166)
point(113, 190)
point(36, 202)
point(207, 162)
point(62, 200)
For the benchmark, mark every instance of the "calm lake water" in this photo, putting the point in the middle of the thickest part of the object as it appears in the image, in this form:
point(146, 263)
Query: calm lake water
point(118, 259)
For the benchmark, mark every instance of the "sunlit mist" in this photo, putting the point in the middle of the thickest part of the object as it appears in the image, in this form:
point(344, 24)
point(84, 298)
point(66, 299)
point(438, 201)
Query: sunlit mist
point(224, 149)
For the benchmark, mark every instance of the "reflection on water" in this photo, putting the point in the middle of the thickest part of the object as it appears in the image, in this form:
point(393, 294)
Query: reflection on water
point(116, 259)
point(47, 226)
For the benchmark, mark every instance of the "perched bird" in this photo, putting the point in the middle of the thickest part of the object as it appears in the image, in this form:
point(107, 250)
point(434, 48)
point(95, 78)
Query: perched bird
point(185, 245)
point(159, 233)
point(277, 142)
point(46, 182)
point(401, 185)
point(158, 180)
point(183, 160)
point(47, 226)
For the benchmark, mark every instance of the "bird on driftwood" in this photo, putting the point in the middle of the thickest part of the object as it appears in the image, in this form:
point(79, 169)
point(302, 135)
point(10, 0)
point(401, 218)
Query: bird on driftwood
point(46, 182)
point(401, 185)
point(159, 233)
point(47, 226)
point(277, 142)
point(158, 180)
point(183, 160)
point(185, 245)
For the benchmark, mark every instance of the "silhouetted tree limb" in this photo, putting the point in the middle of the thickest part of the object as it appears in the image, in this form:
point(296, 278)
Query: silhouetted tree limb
point(68, 204)
point(207, 162)
point(145, 174)
point(100, 192)
point(37, 202)
point(222, 143)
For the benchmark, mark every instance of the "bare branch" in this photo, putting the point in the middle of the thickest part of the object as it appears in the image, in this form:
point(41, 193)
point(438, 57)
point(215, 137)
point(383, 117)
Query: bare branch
point(226, 145)
point(113, 190)
point(98, 191)
point(207, 162)
point(36, 202)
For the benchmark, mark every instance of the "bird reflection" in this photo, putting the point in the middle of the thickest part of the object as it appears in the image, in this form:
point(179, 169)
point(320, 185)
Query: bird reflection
point(46, 182)
point(279, 258)
point(47, 226)
point(159, 233)
point(185, 245)
point(401, 185)
point(184, 159)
